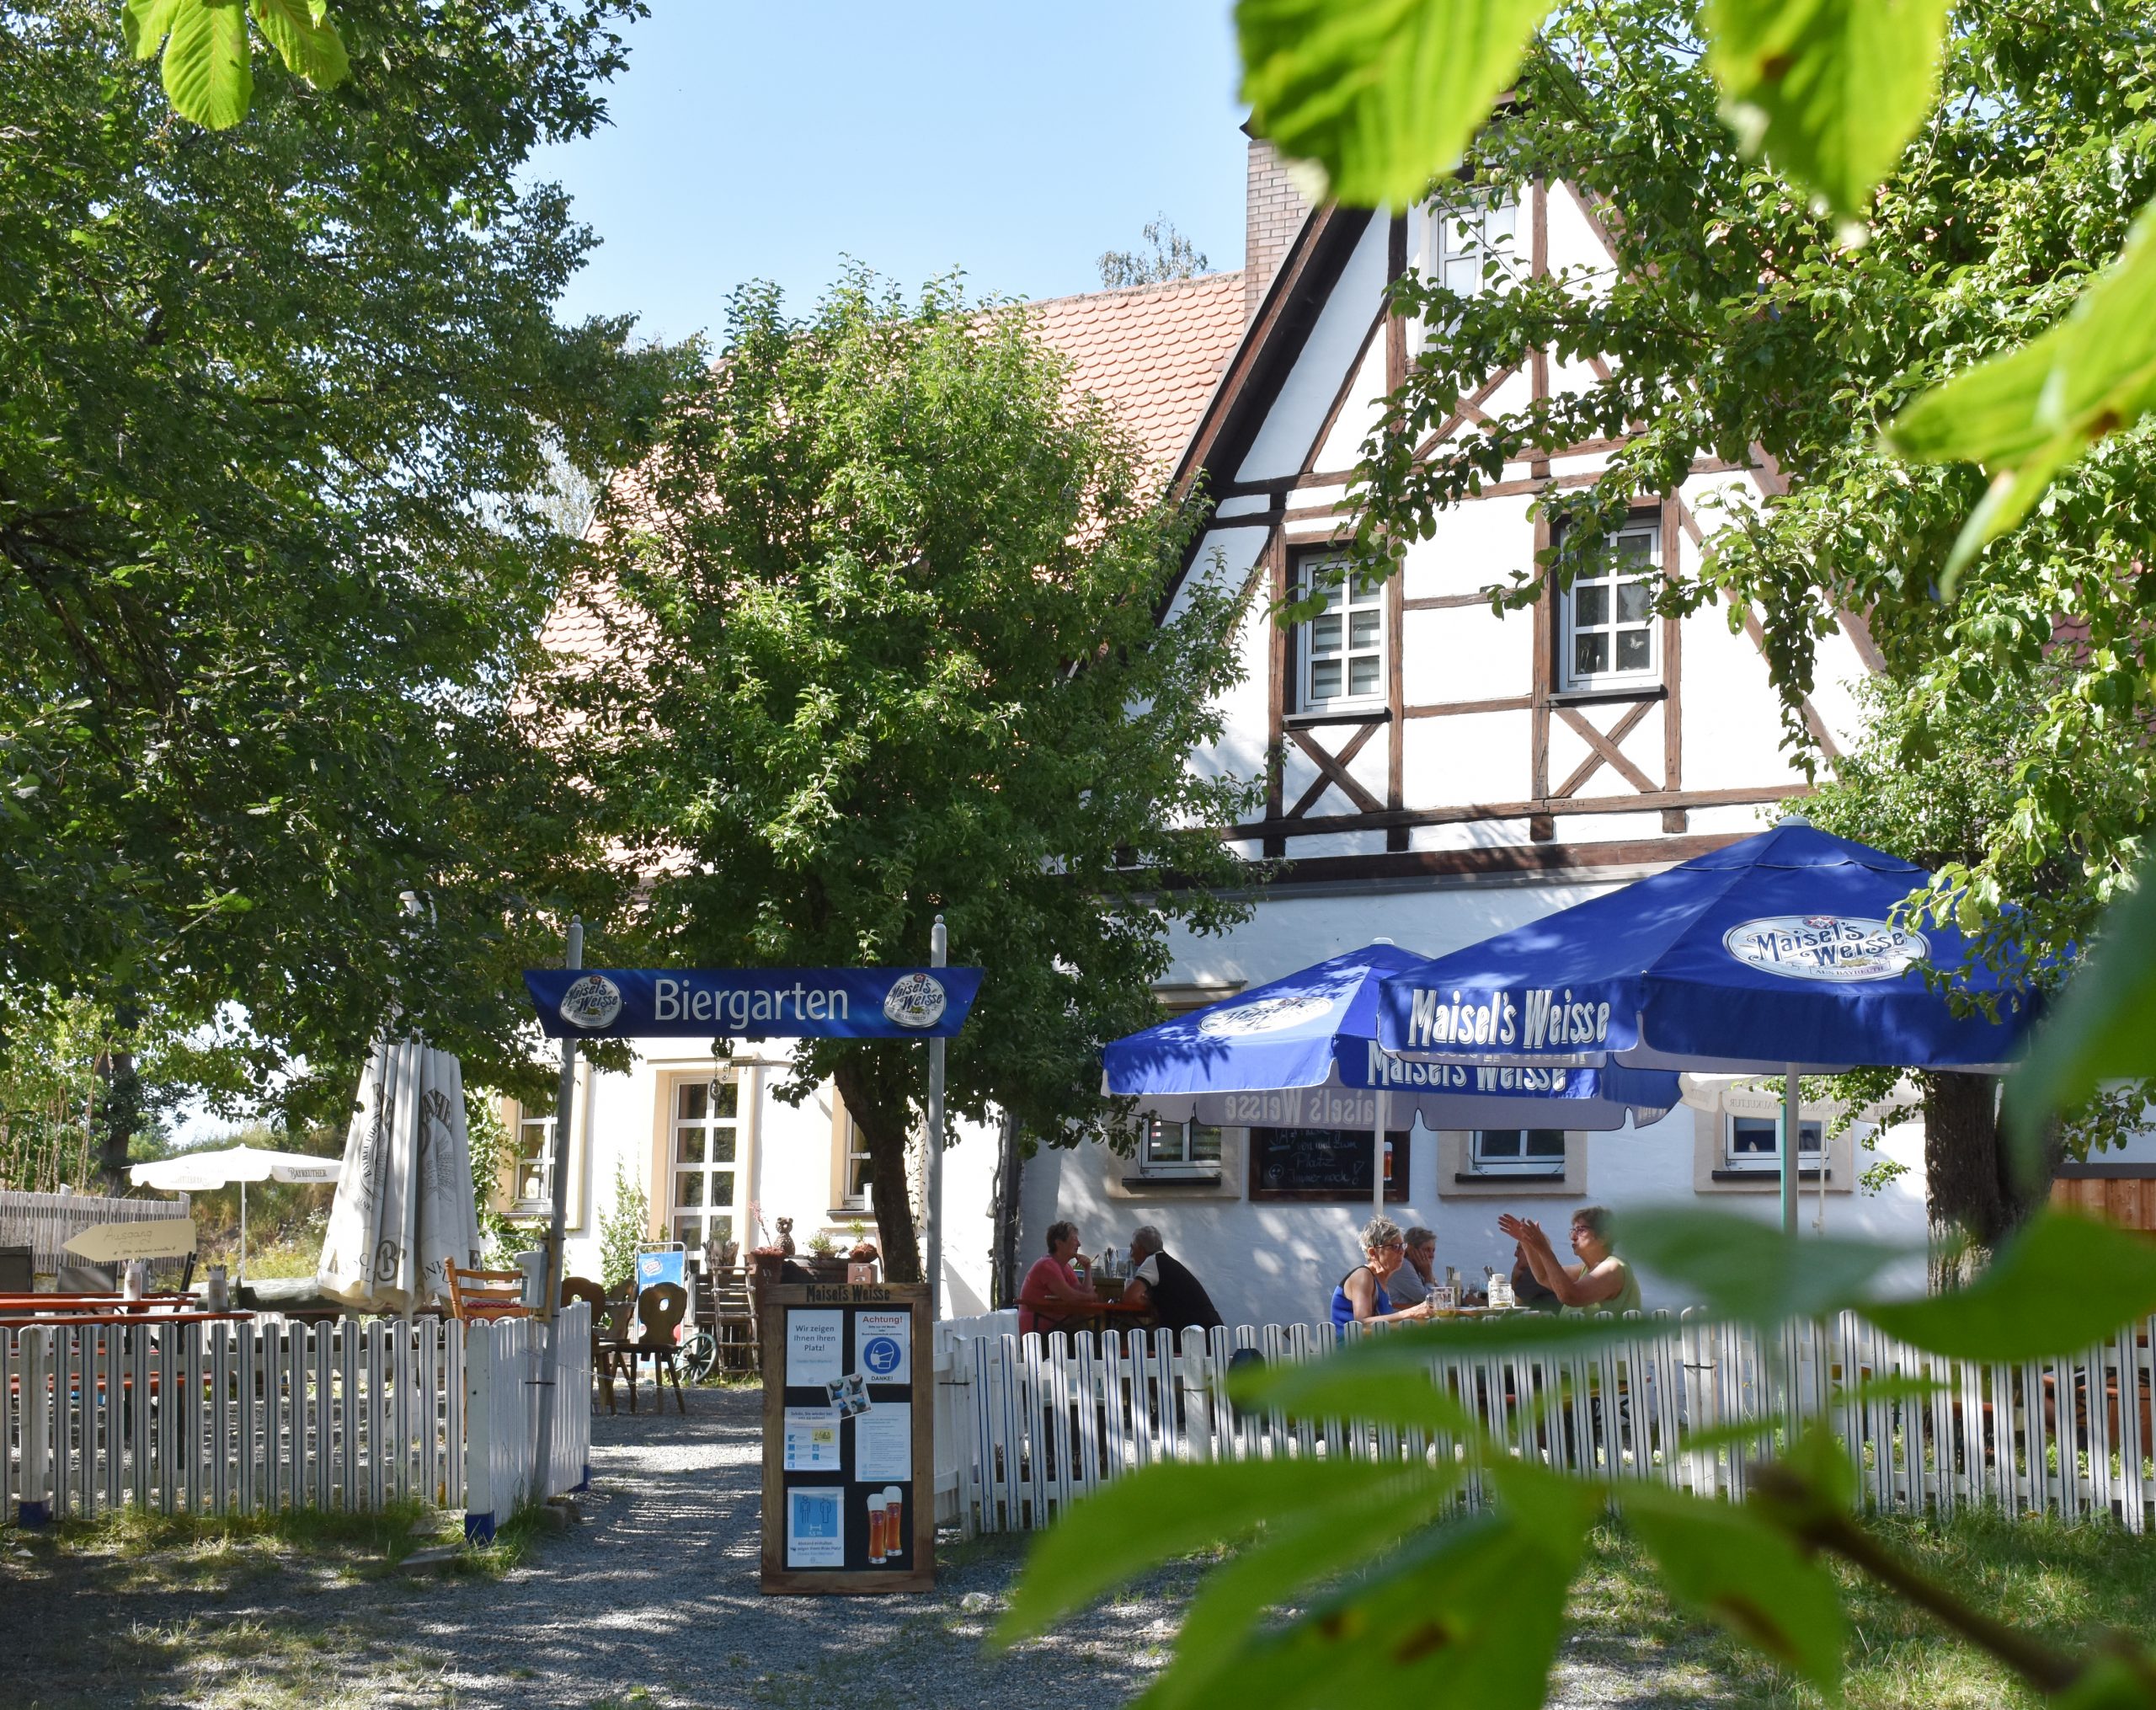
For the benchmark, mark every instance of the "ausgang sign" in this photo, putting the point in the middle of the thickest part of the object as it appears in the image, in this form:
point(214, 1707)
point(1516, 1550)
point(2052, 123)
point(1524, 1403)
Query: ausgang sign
point(763, 1003)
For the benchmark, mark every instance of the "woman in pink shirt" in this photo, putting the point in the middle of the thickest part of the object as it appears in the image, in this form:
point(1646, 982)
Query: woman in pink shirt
point(1055, 1283)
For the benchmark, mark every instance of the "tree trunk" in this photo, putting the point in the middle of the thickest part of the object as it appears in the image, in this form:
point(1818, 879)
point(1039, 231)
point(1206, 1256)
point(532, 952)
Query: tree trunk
point(123, 1101)
point(1003, 1258)
point(1969, 1180)
point(874, 1088)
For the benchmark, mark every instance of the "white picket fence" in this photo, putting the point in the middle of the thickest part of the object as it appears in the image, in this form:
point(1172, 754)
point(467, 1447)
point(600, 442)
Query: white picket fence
point(1026, 1425)
point(257, 1417)
point(503, 1376)
point(46, 1222)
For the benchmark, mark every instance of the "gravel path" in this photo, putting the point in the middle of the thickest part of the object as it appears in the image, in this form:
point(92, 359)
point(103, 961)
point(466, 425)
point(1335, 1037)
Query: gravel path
point(654, 1601)
point(659, 1590)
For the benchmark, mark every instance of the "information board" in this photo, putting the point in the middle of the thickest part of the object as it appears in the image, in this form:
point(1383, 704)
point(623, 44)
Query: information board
point(1323, 1164)
point(849, 1451)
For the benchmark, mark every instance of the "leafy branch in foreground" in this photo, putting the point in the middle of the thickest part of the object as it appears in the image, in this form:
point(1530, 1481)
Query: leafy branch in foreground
point(207, 68)
point(1386, 1593)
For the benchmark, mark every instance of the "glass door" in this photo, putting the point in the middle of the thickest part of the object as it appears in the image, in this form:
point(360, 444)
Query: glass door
point(703, 1176)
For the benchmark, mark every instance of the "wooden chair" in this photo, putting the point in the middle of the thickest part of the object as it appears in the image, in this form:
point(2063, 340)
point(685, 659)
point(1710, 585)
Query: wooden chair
point(659, 1311)
point(483, 1296)
point(606, 1331)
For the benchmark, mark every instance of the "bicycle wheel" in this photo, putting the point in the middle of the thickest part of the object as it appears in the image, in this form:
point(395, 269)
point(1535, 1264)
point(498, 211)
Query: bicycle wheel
point(698, 1354)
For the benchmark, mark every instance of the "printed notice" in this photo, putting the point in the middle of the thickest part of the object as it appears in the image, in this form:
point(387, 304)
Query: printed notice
point(883, 1345)
point(812, 1440)
point(814, 1353)
point(882, 1444)
point(815, 1532)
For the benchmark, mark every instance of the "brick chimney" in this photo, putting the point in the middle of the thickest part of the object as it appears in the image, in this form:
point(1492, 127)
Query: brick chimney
point(1273, 212)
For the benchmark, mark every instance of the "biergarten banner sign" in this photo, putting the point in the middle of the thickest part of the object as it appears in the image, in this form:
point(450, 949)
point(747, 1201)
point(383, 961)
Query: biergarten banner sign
point(865, 1003)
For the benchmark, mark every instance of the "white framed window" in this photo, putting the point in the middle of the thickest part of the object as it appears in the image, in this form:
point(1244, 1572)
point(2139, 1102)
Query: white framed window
point(1470, 249)
point(856, 1174)
point(1179, 1148)
point(1340, 652)
point(1754, 1143)
point(700, 1162)
point(531, 1167)
point(1607, 637)
point(1516, 1151)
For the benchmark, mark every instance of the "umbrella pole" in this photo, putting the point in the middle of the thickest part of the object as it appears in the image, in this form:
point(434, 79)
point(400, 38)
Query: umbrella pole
point(550, 1289)
point(1377, 1154)
point(242, 1230)
point(1792, 1138)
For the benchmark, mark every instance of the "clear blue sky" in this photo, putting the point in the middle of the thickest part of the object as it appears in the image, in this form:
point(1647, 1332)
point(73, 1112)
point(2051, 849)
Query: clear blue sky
point(1016, 140)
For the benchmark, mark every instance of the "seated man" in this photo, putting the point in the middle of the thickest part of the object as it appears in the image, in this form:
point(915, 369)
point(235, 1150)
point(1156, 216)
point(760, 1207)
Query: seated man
point(1601, 1282)
point(1411, 1285)
point(1162, 1282)
point(1527, 1292)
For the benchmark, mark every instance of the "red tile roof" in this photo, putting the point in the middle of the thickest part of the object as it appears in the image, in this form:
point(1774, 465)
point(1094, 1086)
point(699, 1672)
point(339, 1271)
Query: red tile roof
point(1152, 353)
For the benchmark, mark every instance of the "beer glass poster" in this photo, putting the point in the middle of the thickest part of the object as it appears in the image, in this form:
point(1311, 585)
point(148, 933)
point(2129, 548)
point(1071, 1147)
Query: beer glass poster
point(848, 1490)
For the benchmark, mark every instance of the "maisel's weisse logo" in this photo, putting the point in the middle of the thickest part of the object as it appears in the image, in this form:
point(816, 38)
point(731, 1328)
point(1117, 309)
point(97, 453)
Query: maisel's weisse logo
point(1841, 948)
point(917, 1001)
point(1266, 1015)
point(1536, 1020)
point(591, 1003)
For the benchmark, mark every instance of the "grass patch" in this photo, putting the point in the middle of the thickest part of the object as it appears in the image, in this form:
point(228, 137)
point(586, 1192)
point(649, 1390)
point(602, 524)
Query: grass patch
point(2066, 1584)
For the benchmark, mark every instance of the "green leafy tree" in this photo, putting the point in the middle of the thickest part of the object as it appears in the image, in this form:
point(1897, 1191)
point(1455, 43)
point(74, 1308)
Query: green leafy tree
point(896, 631)
point(626, 1227)
point(205, 55)
point(1167, 255)
point(273, 519)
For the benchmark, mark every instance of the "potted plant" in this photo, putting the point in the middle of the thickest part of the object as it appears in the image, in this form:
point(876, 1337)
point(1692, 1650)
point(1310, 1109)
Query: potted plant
point(860, 1261)
point(825, 1262)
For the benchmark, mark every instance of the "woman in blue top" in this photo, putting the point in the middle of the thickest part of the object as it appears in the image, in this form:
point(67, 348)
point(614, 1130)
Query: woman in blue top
point(1359, 1297)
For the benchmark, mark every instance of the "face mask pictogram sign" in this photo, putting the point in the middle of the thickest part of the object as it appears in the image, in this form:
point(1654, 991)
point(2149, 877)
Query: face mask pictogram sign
point(849, 1451)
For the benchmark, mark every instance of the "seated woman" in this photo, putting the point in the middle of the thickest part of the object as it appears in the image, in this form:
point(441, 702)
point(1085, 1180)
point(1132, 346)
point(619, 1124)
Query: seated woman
point(1360, 1297)
point(1601, 1282)
point(1054, 1293)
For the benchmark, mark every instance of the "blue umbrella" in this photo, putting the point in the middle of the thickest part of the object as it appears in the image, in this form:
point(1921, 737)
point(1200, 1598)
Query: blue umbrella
point(1302, 1051)
point(1779, 954)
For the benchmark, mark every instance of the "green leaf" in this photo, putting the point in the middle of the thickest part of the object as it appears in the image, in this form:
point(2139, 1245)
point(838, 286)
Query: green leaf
point(1285, 1557)
point(2061, 1285)
point(1162, 1512)
point(1751, 1273)
point(1472, 1615)
point(2111, 1683)
point(2104, 1027)
point(206, 75)
point(2028, 414)
point(146, 24)
point(1382, 95)
point(1747, 1575)
point(299, 30)
point(1830, 90)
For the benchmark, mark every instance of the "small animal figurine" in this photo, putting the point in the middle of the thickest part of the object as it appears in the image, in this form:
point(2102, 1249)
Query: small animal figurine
point(786, 1236)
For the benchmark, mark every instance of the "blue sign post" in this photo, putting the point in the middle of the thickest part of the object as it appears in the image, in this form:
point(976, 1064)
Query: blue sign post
point(858, 1003)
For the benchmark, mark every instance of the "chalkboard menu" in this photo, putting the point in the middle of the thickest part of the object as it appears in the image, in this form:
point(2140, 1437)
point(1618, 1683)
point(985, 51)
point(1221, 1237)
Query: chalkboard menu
point(1323, 1164)
point(849, 1455)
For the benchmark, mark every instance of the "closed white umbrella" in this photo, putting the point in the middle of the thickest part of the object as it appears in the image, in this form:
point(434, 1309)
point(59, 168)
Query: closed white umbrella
point(197, 1171)
point(403, 1206)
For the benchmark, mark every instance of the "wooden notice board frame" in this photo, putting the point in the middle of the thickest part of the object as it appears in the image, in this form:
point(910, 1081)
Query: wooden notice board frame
point(834, 1314)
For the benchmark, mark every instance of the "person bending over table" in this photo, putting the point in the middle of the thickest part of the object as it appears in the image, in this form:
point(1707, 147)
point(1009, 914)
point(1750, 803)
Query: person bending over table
point(1528, 1292)
point(1359, 1297)
point(1411, 1285)
point(1055, 1296)
point(1159, 1280)
point(1601, 1282)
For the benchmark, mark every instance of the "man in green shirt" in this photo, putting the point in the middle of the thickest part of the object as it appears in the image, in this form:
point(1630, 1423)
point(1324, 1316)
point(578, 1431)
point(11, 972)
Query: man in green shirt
point(1601, 1282)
